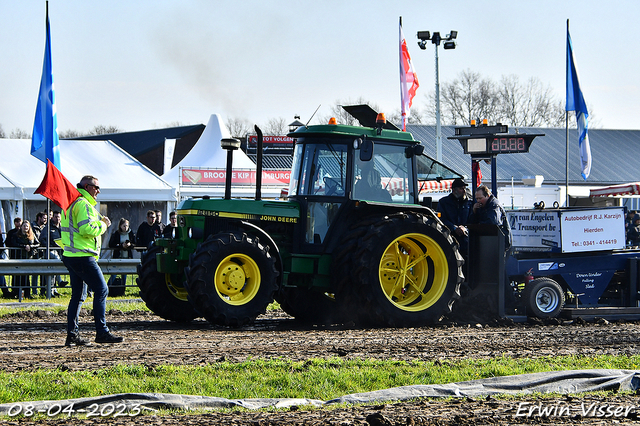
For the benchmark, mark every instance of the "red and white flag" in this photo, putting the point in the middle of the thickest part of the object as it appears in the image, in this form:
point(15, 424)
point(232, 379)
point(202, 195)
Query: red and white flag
point(408, 80)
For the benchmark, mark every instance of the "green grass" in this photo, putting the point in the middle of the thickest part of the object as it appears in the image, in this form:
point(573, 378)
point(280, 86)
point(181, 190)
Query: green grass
point(280, 378)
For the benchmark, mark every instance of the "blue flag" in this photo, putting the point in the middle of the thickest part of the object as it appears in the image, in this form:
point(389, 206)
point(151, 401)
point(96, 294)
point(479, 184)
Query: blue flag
point(44, 141)
point(575, 102)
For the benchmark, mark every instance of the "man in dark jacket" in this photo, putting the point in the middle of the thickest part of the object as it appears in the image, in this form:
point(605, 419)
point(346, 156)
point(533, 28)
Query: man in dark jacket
point(148, 231)
point(454, 212)
point(487, 209)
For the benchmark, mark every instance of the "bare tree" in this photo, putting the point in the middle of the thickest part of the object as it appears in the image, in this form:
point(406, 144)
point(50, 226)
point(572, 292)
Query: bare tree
point(2, 135)
point(101, 129)
point(69, 134)
point(19, 134)
point(528, 105)
point(239, 127)
point(473, 97)
point(416, 116)
point(276, 127)
point(468, 97)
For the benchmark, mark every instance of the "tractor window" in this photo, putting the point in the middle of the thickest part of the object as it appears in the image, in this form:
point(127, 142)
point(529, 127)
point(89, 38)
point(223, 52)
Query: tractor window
point(430, 170)
point(322, 169)
point(386, 177)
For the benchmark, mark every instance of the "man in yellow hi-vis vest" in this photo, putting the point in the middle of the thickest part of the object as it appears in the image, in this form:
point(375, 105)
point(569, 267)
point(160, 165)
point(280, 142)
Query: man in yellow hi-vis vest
point(82, 227)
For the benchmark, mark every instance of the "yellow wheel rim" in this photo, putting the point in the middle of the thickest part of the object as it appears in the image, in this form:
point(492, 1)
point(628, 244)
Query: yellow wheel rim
point(178, 291)
point(413, 272)
point(237, 279)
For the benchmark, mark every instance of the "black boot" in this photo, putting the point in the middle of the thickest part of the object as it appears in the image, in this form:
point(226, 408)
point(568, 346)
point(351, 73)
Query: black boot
point(108, 338)
point(75, 339)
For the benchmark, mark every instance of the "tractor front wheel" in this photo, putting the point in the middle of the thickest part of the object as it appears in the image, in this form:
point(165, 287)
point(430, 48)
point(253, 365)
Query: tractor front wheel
point(231, 279)
point(164, 294)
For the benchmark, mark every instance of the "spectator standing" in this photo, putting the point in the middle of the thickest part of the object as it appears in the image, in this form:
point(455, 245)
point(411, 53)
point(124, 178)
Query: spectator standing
point(122, 240)
point(161, 225)
point(82, 228)
point(173, 224)
point(148, 231)
point(55, 252)
point(39, 228)
point(27, 243)
point(633, 234)
point(13, 254)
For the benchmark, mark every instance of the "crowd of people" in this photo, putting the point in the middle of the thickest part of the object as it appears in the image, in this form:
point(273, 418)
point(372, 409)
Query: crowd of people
point(31, 240)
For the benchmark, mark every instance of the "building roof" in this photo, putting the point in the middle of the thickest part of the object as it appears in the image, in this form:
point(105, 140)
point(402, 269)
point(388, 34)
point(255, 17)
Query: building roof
point(137, 143)
point(613, 152)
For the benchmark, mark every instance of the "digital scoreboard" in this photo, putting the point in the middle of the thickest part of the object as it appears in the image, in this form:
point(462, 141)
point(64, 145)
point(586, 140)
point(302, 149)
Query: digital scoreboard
point(499, 144)
point(490, 140)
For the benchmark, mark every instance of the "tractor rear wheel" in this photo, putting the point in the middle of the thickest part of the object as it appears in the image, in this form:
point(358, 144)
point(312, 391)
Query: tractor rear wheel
point(405, 271)
point(544, 298)
point(164, 294)
point(231, 279)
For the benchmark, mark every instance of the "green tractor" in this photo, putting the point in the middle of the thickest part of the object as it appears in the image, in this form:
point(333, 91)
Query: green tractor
point(351, 243)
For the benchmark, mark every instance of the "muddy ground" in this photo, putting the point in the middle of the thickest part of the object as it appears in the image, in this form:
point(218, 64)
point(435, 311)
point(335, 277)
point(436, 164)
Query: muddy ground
point(33, 340)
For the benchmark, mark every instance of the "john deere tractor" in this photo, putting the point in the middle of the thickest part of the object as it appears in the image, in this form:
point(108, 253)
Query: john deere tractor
point(352, 241)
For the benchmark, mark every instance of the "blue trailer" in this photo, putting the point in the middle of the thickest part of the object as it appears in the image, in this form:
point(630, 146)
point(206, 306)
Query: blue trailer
point(571, 262)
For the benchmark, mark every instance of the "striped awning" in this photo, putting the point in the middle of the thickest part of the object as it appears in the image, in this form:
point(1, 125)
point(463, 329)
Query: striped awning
point(617, 190)
point(435, 186)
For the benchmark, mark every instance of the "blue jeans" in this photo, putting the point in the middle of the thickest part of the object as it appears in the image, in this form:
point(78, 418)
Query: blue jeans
point(85, 270)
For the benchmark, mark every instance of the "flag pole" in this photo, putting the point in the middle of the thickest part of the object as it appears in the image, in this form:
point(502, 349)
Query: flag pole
point(566, 126)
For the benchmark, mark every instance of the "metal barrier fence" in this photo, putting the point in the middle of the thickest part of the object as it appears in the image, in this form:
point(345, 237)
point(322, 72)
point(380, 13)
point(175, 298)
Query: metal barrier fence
point(51, 267)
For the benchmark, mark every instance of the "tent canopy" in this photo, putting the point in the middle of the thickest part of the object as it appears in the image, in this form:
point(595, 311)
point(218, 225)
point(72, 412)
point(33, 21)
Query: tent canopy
point(207, 152)
point(617, 190)
point(121, 176)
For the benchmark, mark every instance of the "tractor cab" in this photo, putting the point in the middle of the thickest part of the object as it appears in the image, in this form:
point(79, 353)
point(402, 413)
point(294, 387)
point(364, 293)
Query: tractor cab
point(337, 165)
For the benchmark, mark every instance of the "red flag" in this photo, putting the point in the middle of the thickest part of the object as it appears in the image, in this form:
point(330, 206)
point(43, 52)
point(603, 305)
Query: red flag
point(57, 188)
point(475, 165)
point(408, 80)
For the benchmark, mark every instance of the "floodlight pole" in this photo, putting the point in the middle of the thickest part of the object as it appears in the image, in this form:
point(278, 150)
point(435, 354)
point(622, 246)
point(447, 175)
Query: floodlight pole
point(438, 126)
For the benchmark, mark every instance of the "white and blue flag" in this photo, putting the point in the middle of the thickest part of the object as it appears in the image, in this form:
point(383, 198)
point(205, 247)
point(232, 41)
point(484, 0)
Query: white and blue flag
point(575, 102)
point(44, 140)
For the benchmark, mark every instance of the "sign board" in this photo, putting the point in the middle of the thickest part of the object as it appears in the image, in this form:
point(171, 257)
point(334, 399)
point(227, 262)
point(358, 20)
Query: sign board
point(569, 231)
point(592, 230)
point(535, 230)
point(272, 142)
point(216, 177)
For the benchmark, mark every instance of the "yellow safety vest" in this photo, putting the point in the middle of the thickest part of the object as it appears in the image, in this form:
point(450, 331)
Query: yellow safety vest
point(81, 228)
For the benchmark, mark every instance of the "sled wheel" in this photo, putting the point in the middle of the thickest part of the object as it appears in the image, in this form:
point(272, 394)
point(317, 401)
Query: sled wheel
point(544, 298)
point(163, 294)
point(231, 279)
point(405, 271)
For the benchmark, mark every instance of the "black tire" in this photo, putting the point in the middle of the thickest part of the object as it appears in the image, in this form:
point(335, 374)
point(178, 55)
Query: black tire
point(164, 294)
point(544, 298)
point(309, 307)
point(372, 267)
point(231, 279)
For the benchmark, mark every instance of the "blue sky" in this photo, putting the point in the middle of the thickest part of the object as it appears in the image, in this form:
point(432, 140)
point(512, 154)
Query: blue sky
point(147, 64)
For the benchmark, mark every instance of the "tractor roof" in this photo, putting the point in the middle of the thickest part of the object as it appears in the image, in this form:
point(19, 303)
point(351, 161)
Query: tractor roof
point(339, 130)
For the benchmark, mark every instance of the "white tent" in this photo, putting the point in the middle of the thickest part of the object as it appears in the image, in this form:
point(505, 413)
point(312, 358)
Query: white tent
point(121, 176)
point(207, 152)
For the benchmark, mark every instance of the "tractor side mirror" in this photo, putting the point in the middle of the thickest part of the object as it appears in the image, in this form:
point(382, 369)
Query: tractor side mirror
point(415, 150)
point(366, 150)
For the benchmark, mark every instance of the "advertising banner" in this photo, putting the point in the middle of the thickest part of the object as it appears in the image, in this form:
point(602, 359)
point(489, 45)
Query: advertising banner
point(535, 230)
point(215, 177)
point(592, 230)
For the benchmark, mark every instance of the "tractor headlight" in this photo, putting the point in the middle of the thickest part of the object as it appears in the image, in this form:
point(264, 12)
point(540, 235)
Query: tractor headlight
point(195, 233)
